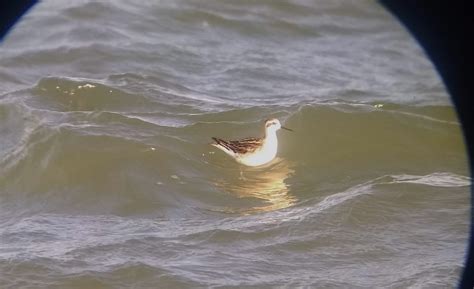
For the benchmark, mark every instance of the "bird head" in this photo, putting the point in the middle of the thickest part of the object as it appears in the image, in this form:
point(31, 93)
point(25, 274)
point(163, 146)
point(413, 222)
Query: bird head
point(272, 125)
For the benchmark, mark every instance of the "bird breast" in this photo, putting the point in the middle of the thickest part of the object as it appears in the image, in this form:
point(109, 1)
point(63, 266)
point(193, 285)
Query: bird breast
point(263, 155)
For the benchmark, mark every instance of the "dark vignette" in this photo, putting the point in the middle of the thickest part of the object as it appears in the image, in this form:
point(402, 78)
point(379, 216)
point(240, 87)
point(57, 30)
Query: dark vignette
point(444, 30)
point(10, 13)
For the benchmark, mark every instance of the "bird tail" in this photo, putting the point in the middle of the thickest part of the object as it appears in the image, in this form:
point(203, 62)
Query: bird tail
point(223, 145)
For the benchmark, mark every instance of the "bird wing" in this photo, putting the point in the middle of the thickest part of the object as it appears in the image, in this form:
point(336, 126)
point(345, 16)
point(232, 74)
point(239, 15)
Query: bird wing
point(241, 146)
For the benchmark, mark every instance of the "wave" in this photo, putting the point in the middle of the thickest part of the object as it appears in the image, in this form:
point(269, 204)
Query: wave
point(374, 133)
point(308, 209)
point(439, 179)
point(68, 94)
point(117, 94)
point(79, 152)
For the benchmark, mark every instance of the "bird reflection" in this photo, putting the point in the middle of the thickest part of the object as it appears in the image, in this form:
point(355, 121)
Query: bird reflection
point(264, 183)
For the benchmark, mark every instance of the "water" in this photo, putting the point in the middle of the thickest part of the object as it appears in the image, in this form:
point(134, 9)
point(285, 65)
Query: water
point(107, 178)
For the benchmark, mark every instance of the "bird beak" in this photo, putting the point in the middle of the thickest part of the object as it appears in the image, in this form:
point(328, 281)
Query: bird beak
point(286, 128)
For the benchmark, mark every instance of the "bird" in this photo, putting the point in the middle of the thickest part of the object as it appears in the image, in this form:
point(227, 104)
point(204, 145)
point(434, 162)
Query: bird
point(253, 151)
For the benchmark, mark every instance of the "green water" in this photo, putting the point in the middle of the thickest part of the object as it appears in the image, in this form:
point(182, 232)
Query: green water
point(107, 178)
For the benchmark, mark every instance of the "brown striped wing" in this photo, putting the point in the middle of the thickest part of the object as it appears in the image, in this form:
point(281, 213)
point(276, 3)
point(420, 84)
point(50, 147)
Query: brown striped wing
point(241, 146)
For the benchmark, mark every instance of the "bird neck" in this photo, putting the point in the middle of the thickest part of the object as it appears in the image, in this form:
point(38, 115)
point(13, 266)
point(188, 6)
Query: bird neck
point(270, 134)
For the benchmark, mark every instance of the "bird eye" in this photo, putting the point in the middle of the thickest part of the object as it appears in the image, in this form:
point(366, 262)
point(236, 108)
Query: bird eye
point(270, 123)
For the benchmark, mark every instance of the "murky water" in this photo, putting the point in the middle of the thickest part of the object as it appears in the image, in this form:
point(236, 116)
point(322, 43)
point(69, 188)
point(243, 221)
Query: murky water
point(107, 178)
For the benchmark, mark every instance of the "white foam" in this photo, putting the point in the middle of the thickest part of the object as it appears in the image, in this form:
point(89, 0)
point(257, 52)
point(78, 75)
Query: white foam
point(435, 179)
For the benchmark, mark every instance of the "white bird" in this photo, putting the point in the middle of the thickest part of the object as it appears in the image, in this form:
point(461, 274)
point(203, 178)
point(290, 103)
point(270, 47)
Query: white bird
point(253, 151)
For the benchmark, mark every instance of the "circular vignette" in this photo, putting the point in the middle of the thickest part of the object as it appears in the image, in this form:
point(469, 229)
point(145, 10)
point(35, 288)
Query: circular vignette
point(443, 30)
point(11, 12)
